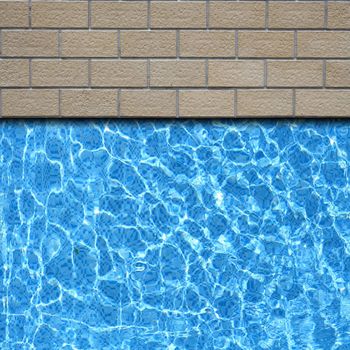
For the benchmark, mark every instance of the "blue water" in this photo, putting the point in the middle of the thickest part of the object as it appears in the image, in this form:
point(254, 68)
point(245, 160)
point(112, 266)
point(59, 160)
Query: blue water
point(175, 235)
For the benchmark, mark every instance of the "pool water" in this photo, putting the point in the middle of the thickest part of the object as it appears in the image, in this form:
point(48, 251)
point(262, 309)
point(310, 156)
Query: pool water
point(175, 235)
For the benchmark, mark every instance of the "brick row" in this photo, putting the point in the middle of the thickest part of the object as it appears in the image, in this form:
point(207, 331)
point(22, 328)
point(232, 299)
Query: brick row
point(174, 73)
point(163, 103)
point(171, 14)
point(192, 43)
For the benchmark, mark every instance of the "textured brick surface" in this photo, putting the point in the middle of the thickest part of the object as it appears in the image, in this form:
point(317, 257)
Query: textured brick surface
point(324, 44)
point(89, 103)
point(306, 14)
point(185, 73)
point(53, 14)
point(163, 58)
point(178, 14)
point(234, 73)
point(29, 43)
point(126, 73)
point(128, 14)
point(30, 103)
point(226, 14)
point(264, 103)
point(89, 44)
point(338, 74)
point(148, 44)
point(14, 73)
point(14, 14)
point(199, 103)
point(295, 73)
point(339, 15)
point(195, 43)
point(266, 44)
point(320, 103)
point(151, 103)
point(57, 73)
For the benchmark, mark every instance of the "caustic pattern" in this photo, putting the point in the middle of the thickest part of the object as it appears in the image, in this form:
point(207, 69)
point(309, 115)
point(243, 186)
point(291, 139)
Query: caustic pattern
point(174, 235)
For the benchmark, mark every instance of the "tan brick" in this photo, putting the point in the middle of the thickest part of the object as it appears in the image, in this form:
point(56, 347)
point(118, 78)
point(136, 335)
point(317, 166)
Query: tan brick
point(147, 103)
point(29, 103)
point(324, 44)
point(194, 43)
point(60, 73)
point(266, 44)
point(14, 73)
point(224, 73)
point(29, 43)
point(227, 14)
point(50, 14)
point(89, 103)
point(185, 73)
point(295, 73)
point(206, 103)
point(148, 44)
point(119, 73)
point(264, 103)
point(128, 14)
point(338, 74)
point(323, 103)
point(290, 14)
point(339, 15)
point(14, 14)
point(89, 44)
point(165, 14)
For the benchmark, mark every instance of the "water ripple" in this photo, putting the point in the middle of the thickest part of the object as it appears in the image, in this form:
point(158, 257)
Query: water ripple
point(175, 235)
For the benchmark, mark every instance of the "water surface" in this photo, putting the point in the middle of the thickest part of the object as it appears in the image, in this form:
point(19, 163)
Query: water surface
point(174, 235)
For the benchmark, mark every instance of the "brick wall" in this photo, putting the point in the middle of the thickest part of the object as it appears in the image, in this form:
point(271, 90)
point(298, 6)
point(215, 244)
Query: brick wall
point(175, 58)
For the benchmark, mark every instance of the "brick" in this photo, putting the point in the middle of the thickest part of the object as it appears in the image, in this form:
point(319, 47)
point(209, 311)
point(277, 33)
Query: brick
point(236, 73)
point(294, 73)
point(206, 103)
point(194, 43)
point(59, 73)
point(29, 103)
point(338, 74)
point(14, 73)
point(289, 14)
point(89, 103)
point(163, 58)
point(178, 14)
point(119, 73)
point(148, 43)
point(128, 14)
point(185, 73)
point(226, 14)
point(324, 44)
point(147, 103)
point(89, 44)
point(29, 43)
point(339, 15)
point(264, 103)
point(14, 14)
point(50, 14)
point(266, 44)
point(322, 103)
